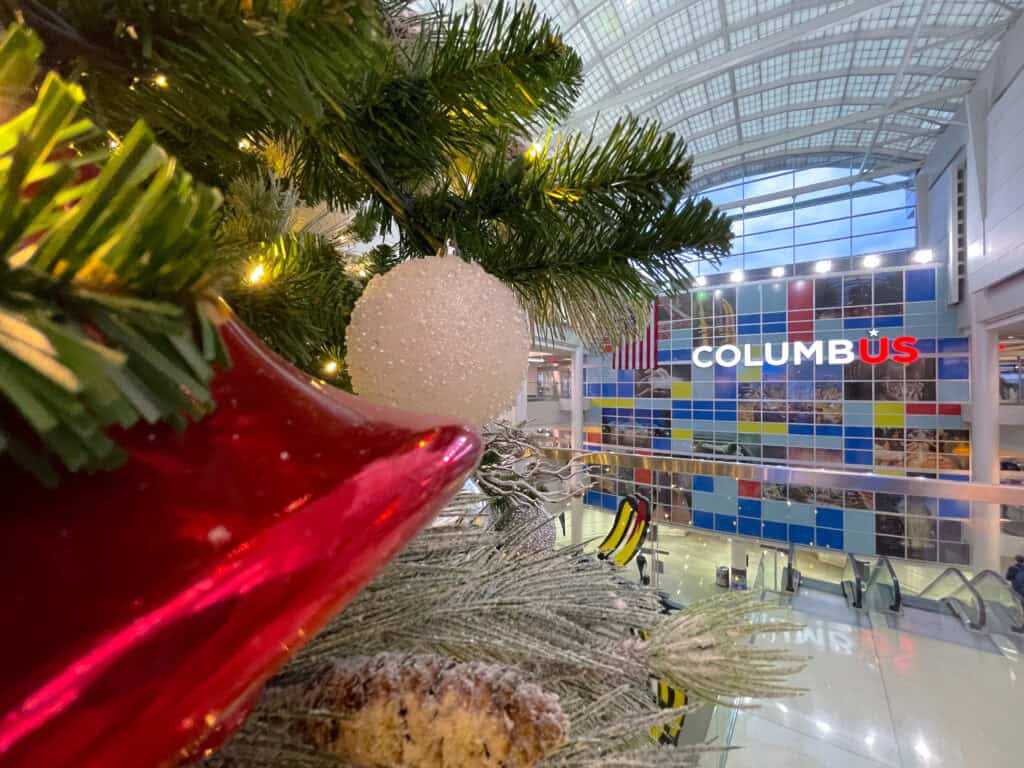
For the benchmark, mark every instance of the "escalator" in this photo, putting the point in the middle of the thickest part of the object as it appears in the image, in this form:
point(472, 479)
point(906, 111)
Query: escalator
point(982, 612)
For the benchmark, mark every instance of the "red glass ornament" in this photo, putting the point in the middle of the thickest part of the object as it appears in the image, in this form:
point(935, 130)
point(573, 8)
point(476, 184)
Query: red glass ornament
point(144, 608)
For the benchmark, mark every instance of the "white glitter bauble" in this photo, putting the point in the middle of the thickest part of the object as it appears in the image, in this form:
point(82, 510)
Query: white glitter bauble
point(439, 335)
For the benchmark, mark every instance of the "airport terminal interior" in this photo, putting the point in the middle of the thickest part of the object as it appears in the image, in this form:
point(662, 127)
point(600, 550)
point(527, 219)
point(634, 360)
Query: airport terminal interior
point(869, 156)
point(577, 383)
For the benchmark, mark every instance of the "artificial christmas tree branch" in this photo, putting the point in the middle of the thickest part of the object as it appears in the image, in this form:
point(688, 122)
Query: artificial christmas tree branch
point(104, 260)
point(420, 124)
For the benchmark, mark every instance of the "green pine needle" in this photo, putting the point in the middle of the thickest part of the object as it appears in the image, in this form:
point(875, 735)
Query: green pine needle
point(99, 264)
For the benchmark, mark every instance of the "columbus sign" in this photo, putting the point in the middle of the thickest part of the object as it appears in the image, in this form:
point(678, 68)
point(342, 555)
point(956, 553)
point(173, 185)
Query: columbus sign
point(874, 351)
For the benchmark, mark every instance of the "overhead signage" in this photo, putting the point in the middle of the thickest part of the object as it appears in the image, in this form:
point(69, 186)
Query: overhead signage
point(874, 351)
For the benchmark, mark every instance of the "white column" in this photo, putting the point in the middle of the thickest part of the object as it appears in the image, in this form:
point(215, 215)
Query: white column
point(576, 520)
point(519, 412)
point(985, 525)
point(576, 392)
point(738, 561)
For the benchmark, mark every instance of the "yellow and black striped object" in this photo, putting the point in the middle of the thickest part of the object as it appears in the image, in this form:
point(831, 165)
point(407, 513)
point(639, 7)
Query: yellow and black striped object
point(668, 698)
point(642, 521)
point(623, 517)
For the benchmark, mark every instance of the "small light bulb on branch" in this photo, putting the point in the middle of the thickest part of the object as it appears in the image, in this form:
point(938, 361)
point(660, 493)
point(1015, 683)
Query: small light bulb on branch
point(160, 81)
point(331, 367)
point(244, 144)
point(256, 275)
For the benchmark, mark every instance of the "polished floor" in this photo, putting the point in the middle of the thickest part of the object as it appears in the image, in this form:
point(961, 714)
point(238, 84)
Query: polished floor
point(875, 697)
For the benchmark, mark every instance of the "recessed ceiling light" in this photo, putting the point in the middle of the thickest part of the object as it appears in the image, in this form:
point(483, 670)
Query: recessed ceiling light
point(778, 271)
point(701, 281)
point(872, 261)
point(736, 277)
point(823, 266)
point(924, 255)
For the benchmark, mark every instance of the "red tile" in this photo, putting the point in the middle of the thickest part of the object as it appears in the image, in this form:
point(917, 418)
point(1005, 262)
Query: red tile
point(921, 409)
point(750, 489)
point(642, 475)
point(950, 409)
point(801, 294)
point(801, 336)
point(800, 314)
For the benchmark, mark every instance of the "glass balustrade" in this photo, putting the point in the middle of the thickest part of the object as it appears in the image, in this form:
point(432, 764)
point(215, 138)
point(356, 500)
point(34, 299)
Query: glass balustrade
point(1000, 599)
point(953, 589)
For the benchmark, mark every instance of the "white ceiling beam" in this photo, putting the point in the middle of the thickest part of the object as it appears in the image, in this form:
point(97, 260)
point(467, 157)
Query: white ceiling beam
point(795, 160)
point(673, 84)
point(840, 122)
point(814, 77)
point(820, 186)
point(723, 30)
point(948, 34)
point(901, 71)
point(735, 57)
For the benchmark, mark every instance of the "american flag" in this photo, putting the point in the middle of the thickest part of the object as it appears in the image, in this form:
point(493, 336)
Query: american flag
point(640, 354)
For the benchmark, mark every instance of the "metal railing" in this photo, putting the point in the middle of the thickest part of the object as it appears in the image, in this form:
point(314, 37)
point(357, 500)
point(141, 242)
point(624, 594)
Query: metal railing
point(884, 575)
point(952, 588)
point(1000, 597)
point(814, 477)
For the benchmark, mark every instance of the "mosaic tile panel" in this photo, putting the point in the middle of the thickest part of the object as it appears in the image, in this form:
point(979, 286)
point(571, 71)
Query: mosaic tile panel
point(889, 418)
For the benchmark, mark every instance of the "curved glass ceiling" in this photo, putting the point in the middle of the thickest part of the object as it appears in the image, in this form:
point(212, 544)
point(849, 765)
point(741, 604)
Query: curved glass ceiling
point(758, 85)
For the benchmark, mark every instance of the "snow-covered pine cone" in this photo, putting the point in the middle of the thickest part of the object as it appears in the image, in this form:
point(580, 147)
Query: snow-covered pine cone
point(403, 711)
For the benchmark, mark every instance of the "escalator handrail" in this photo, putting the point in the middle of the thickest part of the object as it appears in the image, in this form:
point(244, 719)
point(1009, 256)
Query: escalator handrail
point(858, 581)
point(897, 594)
point(967, 585)
point(790, 565)
point(1017, 599)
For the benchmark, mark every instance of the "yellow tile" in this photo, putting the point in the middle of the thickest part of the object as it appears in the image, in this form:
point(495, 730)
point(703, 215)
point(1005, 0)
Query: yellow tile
point(612, 402)
point(752, 373)
point(889, 409)
point(682, 434)
point(772, 428)
point(750, 426)
point(894, 472)
point(889, 421)
point(682, 390)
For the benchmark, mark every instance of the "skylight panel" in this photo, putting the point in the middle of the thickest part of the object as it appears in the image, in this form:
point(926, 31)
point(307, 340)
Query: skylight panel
point(743, 36)
point(577, 40)
point(704, 18)
point(622, 63)
point(718, 87)
point(671, 108)
point(700, 122)
point(723, 114)
point(692, 98)
point(677, 30)
point(748, 76)
point(775, 98)
point(728, 135)
point(836, 56)
point(749, 105)
point(825, 114)
point(800, 93)
point(604, 26)
point(831, 88)
point(711, 49)
point(776, 68)
point(648, 48)
point(801, 118)
point(738, 10)
point(752, 129)
point(773, 123)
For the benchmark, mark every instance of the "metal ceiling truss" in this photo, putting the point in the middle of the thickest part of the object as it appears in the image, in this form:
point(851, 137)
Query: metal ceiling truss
point(935, 56)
